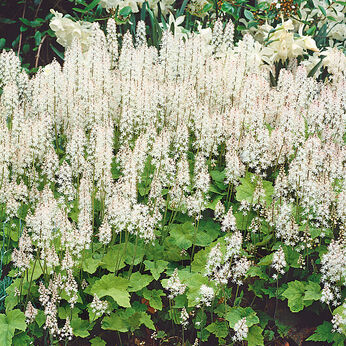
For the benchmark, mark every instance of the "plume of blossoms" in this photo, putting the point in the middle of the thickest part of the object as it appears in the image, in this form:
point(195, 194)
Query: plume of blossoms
point(30, 313)
point(184, 317)
point(241, 330)
point(219, 210)
point(333, 263)
point(339, 323)
point(22, 256)
point(220, 267)
point(174, 285)
point(333, 271)
point(206, 295)
point(49, 299)
point(98, 307)
point(229, 222)
point(66, 332)
point(279, 262)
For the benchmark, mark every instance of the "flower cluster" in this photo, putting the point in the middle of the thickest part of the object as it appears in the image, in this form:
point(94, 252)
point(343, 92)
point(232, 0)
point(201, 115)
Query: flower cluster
point(98, 307)
point(279, 262)
point(174, 285)
point(66, 30)
point(283, 45)
point(241, 330)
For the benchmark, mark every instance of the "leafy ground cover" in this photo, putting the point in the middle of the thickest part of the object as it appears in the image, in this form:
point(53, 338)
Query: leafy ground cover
point(185, 193)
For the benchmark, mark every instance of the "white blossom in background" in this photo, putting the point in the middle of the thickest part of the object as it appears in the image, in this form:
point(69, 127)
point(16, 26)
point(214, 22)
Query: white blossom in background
point(283, 45)
point(336, 28)
point(334, 61)
point(105, 232)
point(195, 7)
point(165, 5)
point(66, 30)
point(214, 260)
point(120, 4)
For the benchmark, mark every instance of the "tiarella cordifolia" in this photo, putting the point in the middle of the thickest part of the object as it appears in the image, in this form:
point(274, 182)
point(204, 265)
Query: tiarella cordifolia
point(111, 135)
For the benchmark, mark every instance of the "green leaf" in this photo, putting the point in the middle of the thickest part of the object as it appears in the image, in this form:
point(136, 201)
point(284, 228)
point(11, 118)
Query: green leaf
point(113, 286)
point(114, 322)
point(40, 318)
point(2, 43)
point(208, 231)
point(113, 260)
point(171, 251)
point(13, 320)
point(97, 342)
point(138, 281)
point(245, 190)
point(93, 4)
point(292, 257)
point(38, 37)
point(227, 7)
point(257, 271)
point(90, 264)
point(134, 254)
point(248, 15)
point(295, 295)
point(218, 176)
point(22, 339)
point(211, 205)
point(57, 52)
point(156, 267)
point(255, 337)
point(315, 68)
point(80, 327)
point(147, 321)
point(312, 291)
point(323, 333)
point(322, 10)
point(182, 234)
point(154, 298)
point(182, 8)
point(124, 12)
point(267, 260)
point(283, 329)
point(207, 7)
point(218, 328)
point(193, 281)
point(237, 313)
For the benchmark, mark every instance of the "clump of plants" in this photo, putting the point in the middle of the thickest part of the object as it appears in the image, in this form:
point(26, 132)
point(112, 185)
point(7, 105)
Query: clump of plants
point(171, 194)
